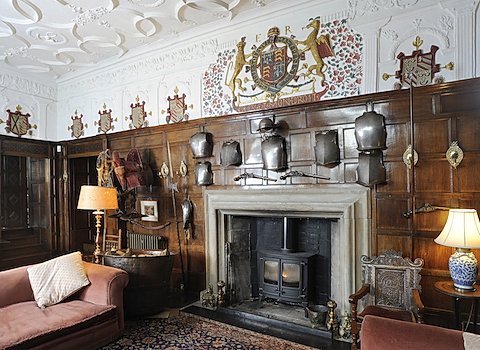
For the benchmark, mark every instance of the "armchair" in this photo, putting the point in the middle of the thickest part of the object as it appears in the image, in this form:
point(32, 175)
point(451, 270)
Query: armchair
point(391, 289)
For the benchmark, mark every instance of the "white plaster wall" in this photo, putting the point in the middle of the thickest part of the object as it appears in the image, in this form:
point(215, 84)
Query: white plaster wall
point(35, 97)
point(153, 72)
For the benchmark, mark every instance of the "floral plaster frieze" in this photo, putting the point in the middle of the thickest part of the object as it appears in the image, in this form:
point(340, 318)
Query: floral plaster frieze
point(14, 82)
point(142, 68)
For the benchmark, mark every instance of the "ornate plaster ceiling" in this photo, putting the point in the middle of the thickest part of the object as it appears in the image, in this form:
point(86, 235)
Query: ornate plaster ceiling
point(54, 37)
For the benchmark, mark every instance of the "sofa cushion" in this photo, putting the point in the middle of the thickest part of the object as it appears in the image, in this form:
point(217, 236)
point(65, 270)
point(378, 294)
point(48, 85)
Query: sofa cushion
point(55, 280)
point(25, 325)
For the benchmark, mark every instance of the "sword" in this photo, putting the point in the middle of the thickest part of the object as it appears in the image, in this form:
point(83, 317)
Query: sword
point(252, 175)
point(295, 173)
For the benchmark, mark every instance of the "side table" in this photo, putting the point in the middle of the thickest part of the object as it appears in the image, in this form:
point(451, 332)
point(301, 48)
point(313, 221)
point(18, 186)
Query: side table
point(447, 288)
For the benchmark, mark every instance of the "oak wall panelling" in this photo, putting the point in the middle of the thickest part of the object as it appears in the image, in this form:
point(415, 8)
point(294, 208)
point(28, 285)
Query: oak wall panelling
point(441, 115)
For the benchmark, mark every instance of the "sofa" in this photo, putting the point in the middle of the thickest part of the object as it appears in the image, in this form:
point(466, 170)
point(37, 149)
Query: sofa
point(380, 333)
point(88, 319)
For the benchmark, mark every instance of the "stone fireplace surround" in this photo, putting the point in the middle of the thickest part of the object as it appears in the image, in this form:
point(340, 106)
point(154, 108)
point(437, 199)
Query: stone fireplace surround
point(349, 204)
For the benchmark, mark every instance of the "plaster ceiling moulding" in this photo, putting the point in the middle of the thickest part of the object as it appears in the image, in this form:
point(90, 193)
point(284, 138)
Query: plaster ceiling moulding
point(147, 3)
point(147, 26)
point(46, 35)
point(217, 8)
point(6, 29)
point(20, 12)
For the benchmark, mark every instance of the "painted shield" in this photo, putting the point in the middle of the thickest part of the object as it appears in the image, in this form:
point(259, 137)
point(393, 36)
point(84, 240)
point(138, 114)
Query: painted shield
point(176, 109)
point(273, 64)
point(17, 122)
point(77, 127)
point(419, 68)
point(138, 115)
point(105, 121)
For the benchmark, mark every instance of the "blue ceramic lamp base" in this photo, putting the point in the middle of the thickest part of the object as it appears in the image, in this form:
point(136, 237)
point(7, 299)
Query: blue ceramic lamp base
point(463, 269)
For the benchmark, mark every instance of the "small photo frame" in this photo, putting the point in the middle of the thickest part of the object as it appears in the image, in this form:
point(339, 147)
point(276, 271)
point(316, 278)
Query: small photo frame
point(149, 208)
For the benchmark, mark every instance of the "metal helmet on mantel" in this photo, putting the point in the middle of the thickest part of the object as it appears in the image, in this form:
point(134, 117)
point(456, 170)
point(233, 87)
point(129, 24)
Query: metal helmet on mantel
point(370, 132)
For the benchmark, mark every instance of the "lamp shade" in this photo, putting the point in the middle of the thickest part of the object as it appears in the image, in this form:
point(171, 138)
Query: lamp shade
point(97, 198)
point(462, 229)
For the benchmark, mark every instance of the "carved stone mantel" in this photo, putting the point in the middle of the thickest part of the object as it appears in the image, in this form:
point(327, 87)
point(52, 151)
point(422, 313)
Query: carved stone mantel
point(351, 232)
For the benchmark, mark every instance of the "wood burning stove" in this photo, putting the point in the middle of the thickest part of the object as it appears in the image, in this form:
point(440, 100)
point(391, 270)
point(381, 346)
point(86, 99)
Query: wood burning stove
point(284, 273)
point(284, 276)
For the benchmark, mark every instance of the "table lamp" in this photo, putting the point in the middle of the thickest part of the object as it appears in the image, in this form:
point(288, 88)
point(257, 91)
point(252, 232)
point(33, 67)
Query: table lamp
point(97, 198)
point(462, 231)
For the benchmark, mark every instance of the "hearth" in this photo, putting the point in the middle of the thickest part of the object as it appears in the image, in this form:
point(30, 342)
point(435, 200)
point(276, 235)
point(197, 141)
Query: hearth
point(236, 258)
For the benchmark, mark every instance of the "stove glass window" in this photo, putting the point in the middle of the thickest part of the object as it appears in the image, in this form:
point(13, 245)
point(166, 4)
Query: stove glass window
point(291, 275)
point(270, 272)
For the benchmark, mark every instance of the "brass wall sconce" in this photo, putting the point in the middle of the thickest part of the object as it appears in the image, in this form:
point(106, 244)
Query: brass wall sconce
point(454, 154)
point(407, 157)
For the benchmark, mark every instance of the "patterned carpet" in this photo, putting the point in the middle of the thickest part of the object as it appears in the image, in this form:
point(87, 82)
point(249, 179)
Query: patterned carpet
point(195, 333)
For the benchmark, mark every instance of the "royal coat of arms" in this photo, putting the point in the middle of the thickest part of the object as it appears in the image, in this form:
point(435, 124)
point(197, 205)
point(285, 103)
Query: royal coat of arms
point(105, 123)
point(77, 126)
point(17, 122)
point(275, 65)
point(177, 108)
point(138, 116)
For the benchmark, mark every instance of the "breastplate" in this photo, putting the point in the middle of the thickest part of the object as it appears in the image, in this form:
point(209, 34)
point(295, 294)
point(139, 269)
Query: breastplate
point(370, 170)
point(203, 174)
point(201, 144)
point(230, 153)
point(274, 154)
point(326, 148)
point(370, 131)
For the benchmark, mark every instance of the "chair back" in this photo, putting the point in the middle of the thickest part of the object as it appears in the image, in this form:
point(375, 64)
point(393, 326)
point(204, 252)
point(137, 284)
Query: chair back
point(391, 278)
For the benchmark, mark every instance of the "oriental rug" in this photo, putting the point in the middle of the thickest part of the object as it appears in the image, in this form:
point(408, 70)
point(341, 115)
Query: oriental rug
point(195, 333)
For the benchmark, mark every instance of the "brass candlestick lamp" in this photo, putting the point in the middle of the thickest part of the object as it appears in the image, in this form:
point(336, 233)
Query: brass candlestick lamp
point(97, 198)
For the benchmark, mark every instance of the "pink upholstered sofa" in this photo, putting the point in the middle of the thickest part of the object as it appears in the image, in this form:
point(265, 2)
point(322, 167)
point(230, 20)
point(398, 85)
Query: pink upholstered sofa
point(379, 333)
point(89, 319)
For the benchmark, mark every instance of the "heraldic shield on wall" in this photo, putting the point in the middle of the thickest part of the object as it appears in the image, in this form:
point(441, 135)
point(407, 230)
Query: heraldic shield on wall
point(177, 108)
point(138, 116)
point(17, 122)
point(273, 69)
point(77, 127)
point(105, 123)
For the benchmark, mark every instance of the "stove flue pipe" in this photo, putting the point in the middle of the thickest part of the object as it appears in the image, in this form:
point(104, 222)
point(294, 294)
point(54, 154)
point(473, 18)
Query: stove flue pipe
point(287, 237)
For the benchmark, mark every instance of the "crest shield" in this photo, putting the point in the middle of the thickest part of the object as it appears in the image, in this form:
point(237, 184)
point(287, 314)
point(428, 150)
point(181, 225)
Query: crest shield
point(77, 126)
point(138, 116)
point(17, 122)
point(176, 109)
point(419, 68)
point(273, 64)
point(105, 123)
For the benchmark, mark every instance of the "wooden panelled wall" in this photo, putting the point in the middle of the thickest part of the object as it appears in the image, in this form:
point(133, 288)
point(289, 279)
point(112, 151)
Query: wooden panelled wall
point(442, 114)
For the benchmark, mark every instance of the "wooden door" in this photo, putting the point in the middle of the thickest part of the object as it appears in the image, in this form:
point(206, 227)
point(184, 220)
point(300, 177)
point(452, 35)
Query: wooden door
point(82, 230)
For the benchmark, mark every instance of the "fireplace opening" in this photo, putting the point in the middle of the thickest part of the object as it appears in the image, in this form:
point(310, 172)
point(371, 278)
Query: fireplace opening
point(284, 259)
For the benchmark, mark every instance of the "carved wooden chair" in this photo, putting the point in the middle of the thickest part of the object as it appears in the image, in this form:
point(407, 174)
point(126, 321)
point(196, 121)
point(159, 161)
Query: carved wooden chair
point(391, 288)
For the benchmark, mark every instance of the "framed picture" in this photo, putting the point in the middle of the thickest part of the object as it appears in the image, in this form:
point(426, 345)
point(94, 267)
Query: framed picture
point(149, 208)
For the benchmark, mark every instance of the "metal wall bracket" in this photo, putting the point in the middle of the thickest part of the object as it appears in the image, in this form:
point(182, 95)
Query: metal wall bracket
point(454, 154)
point(407, 157)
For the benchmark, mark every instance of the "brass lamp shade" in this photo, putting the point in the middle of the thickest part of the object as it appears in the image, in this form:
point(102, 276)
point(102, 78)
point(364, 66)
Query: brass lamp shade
point(462, 229)
point(97, 198)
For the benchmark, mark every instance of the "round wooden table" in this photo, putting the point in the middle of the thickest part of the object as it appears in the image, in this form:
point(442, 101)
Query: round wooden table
point(447, 288)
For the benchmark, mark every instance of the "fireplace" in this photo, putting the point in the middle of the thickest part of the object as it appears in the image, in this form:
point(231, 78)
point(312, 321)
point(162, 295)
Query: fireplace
point(345, 208)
